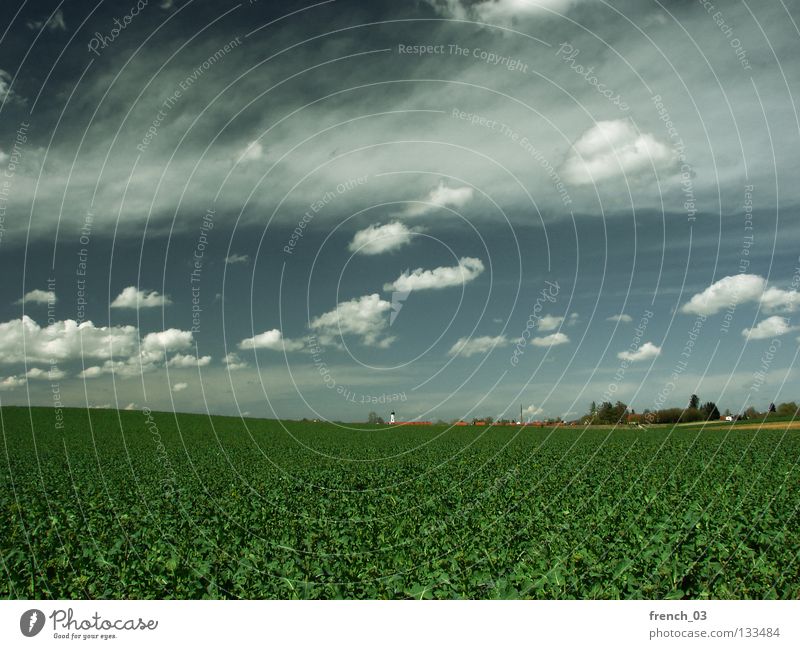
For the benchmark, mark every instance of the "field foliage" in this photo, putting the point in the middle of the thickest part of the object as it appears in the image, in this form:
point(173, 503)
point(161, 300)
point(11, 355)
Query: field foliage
point(185, 506)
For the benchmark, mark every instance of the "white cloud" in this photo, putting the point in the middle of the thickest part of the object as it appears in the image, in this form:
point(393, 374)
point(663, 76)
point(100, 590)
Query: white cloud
point(170, 340)
point(23, 340)
point(776, 299)
point(253, 151)
point(467, 346)
point(131, 298)
point(11, 382)
point(363, 316)
point(143, 356)
point(551, 340)
point(237, 259)
point(272, 339)
point(771, 327)
point(38, 296)
point(499, 10)
point(739, 289)
point(620, 317)
point(442, 196)
point(532, 411)
point(124, 369)
point(645, 352)
point(53, 374)
point(53, 23)
point(728, 291)
point(377, 239)
point(505, 10)
point(182, 361)
point(445, 276)
point(179, 387)
point(550, 322)
point(614, 148)
point(233, 362)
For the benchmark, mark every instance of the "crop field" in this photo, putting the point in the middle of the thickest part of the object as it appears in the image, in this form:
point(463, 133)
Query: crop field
point(126, 505)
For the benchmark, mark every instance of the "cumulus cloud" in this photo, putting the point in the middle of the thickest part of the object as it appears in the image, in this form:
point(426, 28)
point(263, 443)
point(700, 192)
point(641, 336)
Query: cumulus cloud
point(377, 239)
point(170, 340)
point(739, 289)
point(620, 317)
point(728, 291)
point(550, 322)
point(467, 346)
point(551, 340)
point(23, 340)
point(614, 148)
point(776, 299)
point(234, 362)
point(363, 316)
point(442, 277)
point(771, 327)
point(532, 411)
point(237, 259)
point(38, 296)
point(133, 298)
point(37, 374)
point(272, 339)
point(182, 361)
point(119, 347)
point(149, 357)
point(179, 387)
point(11, 382)
point(442, 196)
point(645, 352)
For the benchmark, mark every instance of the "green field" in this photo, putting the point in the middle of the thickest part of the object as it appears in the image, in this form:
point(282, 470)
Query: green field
point(187, 506)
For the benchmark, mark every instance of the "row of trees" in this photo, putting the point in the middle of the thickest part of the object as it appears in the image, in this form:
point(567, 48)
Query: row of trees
point(608, 413)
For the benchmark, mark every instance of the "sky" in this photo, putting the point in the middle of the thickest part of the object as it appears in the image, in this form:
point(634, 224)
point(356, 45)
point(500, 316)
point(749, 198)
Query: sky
point(443, 208)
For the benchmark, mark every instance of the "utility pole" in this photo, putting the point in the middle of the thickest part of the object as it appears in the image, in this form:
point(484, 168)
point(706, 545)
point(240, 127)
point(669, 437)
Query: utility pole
point(520, 413)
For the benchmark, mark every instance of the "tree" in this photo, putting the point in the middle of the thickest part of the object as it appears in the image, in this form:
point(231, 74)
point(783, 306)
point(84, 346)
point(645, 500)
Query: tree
point(692, 414)
point(751, 413)
point(372, 418)
point(611, 414)
point(787, 409)
point(711, 411)
point(593, 408)
point(694, 401)
point(771, 408)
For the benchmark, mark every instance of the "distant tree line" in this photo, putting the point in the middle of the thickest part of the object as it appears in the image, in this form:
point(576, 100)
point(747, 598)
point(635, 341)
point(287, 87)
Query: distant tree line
point(618, 413)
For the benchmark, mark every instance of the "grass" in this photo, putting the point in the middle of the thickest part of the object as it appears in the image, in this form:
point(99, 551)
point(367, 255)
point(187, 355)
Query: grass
point(116, 505)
